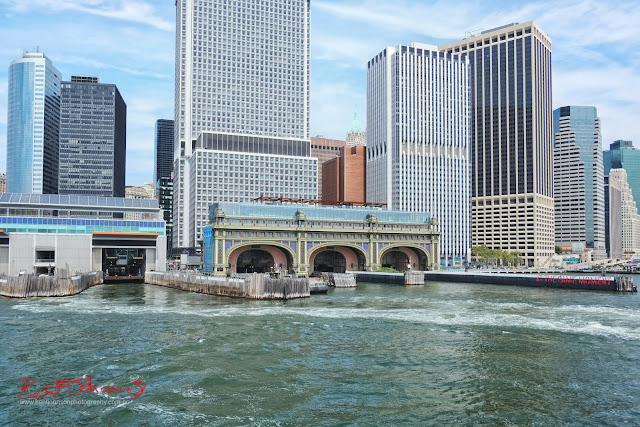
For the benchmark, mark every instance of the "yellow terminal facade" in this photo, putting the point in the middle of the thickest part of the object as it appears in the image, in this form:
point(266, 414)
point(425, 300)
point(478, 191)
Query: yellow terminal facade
point(302, 238)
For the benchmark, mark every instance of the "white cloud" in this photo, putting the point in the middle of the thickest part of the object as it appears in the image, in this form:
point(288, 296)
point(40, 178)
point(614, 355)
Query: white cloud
point(126, 10)
point(92, 63)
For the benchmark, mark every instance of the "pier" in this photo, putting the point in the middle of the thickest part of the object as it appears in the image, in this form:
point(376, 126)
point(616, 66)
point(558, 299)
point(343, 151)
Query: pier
point(590, 283)
point(558, 281)
point(406, 278)
point(61, 285)
point(250, 286)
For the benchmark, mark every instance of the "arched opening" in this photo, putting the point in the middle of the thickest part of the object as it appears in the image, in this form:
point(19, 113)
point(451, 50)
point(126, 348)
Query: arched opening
point(255, 261)
point(330, 261)
point(395, 259)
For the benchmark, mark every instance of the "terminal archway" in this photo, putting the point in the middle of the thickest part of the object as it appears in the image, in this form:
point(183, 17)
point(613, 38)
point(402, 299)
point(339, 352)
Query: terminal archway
point(405, 257)
point(267, 258)
point(330, 261)
point(254, 261)
point(395, 259)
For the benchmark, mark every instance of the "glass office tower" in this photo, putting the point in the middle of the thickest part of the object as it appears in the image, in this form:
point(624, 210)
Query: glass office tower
point(93, 138)
point(578, 179)
point(242, 70)
point(33, 125)
point(511, 139)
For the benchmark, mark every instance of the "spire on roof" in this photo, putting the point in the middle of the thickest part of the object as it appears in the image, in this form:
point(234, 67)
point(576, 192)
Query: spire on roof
point(355, 124)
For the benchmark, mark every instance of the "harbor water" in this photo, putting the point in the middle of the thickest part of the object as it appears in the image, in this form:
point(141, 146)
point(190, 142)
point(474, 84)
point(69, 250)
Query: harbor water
point(443, 353)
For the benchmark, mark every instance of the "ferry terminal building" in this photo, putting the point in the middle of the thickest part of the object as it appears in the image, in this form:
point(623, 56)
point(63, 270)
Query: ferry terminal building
point(300, 237)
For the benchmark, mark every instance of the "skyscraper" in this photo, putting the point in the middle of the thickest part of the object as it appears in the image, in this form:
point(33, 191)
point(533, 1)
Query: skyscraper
point(622, 214)
point(623, 155)
point(511, 139)
point(33, 125)
point(613, 190)
point(242, 91)
point(418, 139)
point(93, 138)
point(578, 179)
point(163, 147)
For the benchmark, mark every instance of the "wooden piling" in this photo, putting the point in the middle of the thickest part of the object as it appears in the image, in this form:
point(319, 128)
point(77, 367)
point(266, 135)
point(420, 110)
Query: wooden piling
point(31, 285)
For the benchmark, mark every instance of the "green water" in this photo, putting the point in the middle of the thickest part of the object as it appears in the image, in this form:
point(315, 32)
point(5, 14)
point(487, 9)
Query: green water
point(380, 354)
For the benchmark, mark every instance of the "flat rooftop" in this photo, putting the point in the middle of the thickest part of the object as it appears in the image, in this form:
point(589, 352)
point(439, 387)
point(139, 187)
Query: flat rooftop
point(68, 201)
point(317, 213)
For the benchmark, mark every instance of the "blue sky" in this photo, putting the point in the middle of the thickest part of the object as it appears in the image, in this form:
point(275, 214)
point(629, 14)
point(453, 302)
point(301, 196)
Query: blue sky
point(131, 43)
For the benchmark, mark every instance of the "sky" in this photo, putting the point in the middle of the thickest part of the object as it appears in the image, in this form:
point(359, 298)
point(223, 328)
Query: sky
point(131, 43)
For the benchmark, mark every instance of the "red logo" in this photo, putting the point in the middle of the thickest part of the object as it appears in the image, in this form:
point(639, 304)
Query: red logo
point(79, 386)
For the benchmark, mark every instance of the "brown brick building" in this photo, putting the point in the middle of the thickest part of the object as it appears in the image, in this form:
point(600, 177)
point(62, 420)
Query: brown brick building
point(344, 177)
point(325, 149)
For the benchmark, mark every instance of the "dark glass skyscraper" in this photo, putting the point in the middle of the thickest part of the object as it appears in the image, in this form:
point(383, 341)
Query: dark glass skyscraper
point(163, 159)
point(511, 139)
point(93, 123)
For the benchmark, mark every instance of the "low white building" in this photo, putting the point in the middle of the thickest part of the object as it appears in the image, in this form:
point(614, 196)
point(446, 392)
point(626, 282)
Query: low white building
point(40, 233)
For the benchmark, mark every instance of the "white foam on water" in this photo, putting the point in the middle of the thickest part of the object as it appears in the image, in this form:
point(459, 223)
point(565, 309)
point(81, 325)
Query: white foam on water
point(598, 320)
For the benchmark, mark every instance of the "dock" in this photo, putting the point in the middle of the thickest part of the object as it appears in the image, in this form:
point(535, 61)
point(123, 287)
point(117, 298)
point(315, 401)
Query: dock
point(558, 281)
point(249, 286)
point(591, 283)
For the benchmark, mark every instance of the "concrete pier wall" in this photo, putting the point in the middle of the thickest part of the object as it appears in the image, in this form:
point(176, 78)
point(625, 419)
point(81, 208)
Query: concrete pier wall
point(559, 281)
point(259, 286)
point(252, 286)
point(340, 280)
point(211, 285)
point(406, 278)
point(31, 285)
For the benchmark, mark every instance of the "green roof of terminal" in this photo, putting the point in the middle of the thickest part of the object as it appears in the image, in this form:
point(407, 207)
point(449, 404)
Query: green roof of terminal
point(318, 213)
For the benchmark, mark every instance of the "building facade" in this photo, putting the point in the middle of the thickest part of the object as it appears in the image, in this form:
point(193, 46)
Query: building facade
point(356, 136)
point(303, 239)
point(344, 178)
point(511, 139)
point(578, 179)
point(164, 194)
point(163, 151)
point(324, 149)
point(242, 69)
point(3, 183)
point(33, 125)
point(233, 168)
point(93, 138)
point(626, 212)
point(613, 216)
point(418, 139)
point(40, 233)
point(623, 155)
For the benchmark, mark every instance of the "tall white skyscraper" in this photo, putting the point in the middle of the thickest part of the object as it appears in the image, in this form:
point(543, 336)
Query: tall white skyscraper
point(241, 106)
point(578, 179)
point(33, 125)
point(511, 139)
point(418, 139)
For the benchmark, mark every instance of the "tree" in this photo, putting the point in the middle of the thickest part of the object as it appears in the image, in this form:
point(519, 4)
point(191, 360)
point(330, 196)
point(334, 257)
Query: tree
point(558, 250)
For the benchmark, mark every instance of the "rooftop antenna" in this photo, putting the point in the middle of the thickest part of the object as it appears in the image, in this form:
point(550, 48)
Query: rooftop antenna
point(473, 32)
